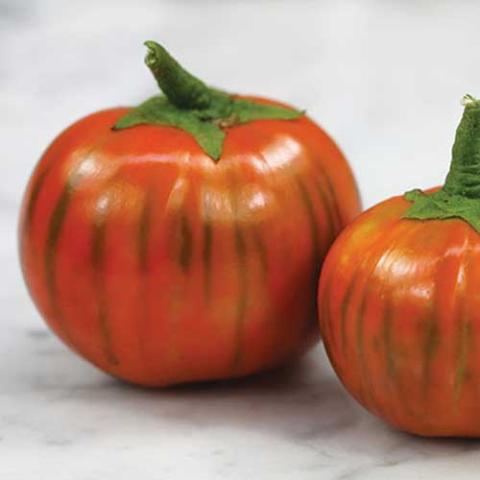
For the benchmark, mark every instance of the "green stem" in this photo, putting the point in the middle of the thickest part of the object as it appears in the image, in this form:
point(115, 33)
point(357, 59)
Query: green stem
point(464, 175)
point(190, 105)
point(180, 87)
point(460, 196)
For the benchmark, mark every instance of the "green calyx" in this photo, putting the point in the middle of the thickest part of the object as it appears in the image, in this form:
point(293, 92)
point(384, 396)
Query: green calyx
point(460, 196)
point(190, 105)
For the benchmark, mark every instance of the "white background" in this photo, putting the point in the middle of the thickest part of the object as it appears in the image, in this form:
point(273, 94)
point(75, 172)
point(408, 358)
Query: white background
point(384, 78)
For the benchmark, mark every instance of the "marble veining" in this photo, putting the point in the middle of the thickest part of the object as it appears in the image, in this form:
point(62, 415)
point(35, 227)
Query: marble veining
point(385, 77)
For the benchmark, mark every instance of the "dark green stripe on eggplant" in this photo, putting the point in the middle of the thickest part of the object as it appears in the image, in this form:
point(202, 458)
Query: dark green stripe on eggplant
point(316, 254)
point(53, 236)
point(98, 241)
point(431, 338)
point(397, 390)
point(325, 310)
point(359, 347)
point(262, 252)
point(429, 348)
point(241, 252)
point(98, 253)
point(464, 337)
point(32, 200)
point(333, 199)
point(186, 244)
point(144, 231)
point(330, 221)
point(367, 386)
point(463, 340)
point(344, 311)
point(312, 220)
point(388, 340)
point(207, 258)
point(143, 235)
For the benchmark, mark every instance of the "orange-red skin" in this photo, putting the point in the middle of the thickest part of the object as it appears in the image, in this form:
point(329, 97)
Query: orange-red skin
point(160, 266)
point(399, 310)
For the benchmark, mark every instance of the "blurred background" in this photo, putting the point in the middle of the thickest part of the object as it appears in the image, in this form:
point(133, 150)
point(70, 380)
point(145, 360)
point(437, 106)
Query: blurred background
point(383, 77)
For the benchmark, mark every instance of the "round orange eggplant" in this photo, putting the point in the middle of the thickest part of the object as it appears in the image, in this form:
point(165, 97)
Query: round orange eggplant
point(182, 240)
point(399, 302)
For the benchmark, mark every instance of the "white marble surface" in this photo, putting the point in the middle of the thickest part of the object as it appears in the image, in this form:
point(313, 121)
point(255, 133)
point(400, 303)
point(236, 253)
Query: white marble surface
point(384, 77)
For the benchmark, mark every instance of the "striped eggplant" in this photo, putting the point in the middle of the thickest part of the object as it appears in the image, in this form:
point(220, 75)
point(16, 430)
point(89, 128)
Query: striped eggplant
point(399, 301)
point(182, 240)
